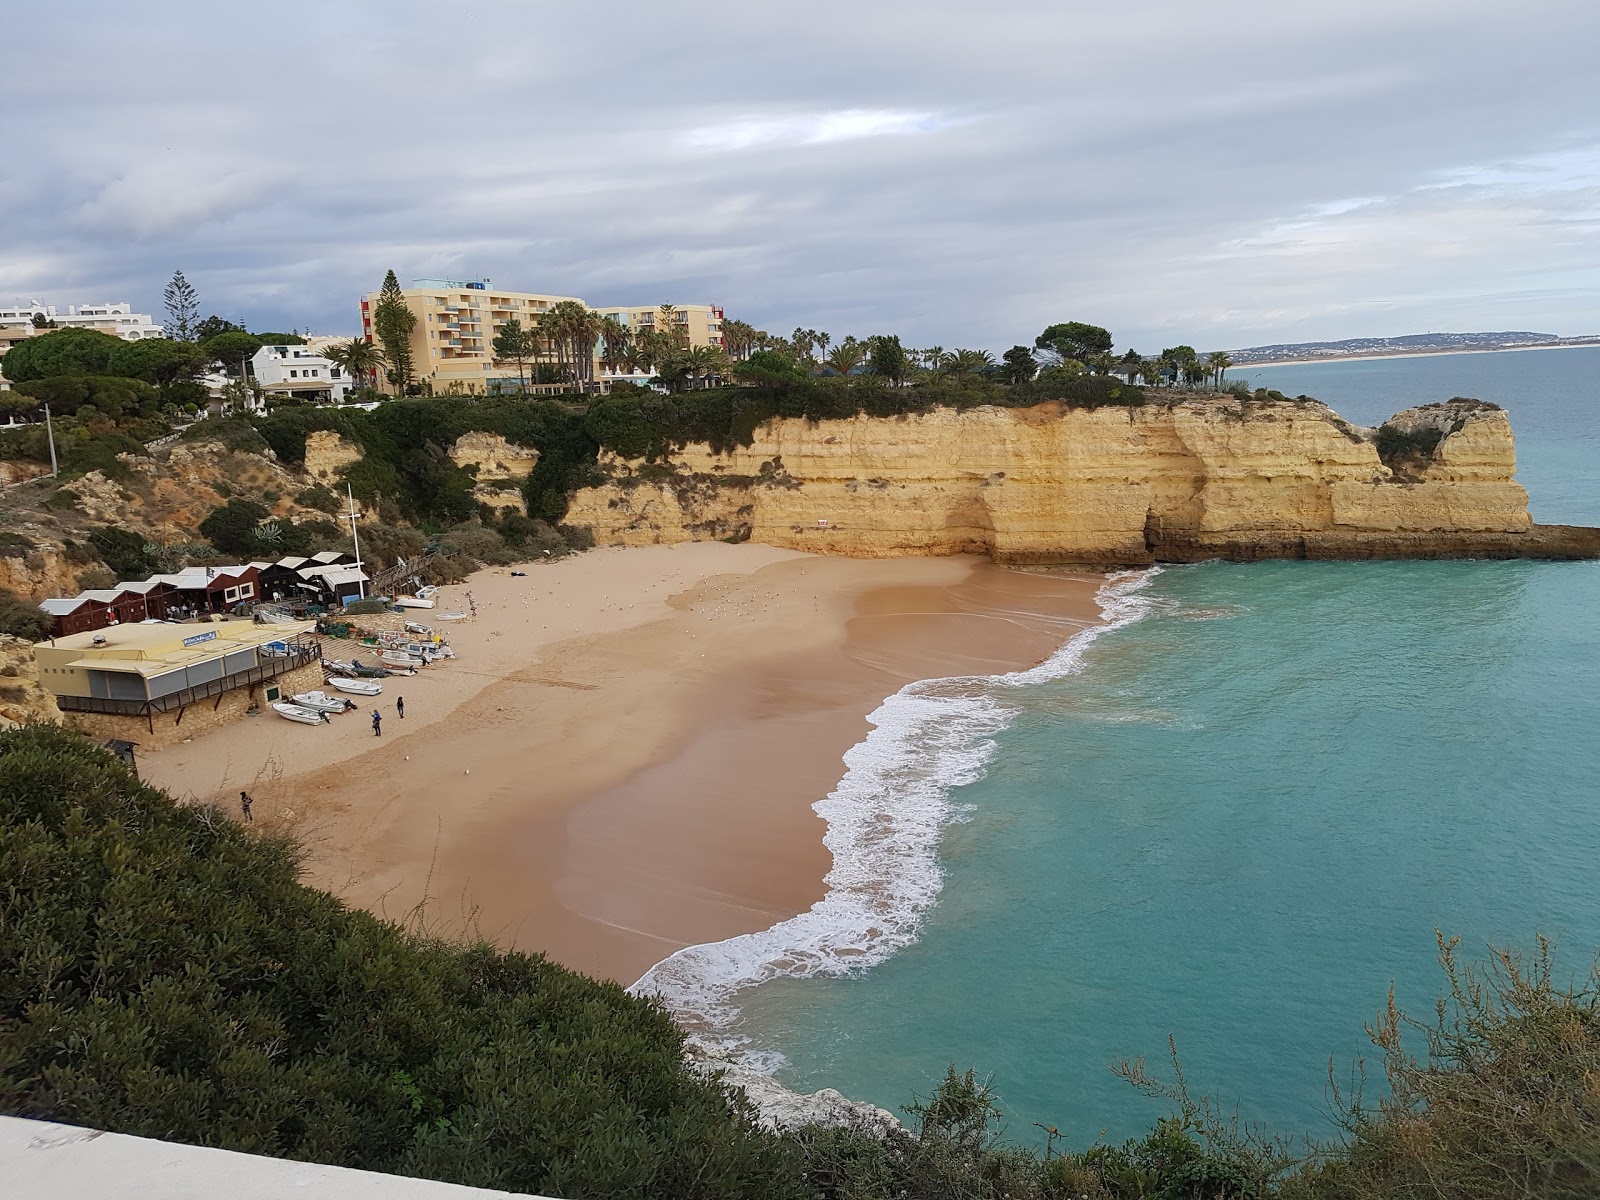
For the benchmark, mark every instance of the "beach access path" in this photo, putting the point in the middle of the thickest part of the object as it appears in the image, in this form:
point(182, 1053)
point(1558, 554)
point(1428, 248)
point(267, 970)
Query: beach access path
point(623, 757)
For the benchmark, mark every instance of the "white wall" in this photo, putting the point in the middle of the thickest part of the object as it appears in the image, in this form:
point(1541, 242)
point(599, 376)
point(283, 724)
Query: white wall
point(44, 1161)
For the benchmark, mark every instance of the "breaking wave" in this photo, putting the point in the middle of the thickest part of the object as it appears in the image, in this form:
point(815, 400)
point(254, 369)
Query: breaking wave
point(884, 822)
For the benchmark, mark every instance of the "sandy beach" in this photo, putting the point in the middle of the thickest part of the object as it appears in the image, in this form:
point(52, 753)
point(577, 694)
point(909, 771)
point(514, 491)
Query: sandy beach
point(623, 758)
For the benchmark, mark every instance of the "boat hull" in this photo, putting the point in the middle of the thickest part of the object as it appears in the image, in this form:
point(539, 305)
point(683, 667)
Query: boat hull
point(294, 712)
point(358, 687)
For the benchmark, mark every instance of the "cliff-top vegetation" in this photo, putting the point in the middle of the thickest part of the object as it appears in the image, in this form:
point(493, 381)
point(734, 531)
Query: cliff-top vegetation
point(164, 973)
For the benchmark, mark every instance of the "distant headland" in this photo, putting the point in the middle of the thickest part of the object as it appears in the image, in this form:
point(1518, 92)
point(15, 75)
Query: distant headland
point(1405, 345)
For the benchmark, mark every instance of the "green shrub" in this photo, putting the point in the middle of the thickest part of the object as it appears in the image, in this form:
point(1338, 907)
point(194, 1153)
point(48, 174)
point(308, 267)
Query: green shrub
point(22, 619)
point(1401, 447)
point(320, 498)
point(164, 974)
point(232, 527)
point(234, 431)
point(125, 552)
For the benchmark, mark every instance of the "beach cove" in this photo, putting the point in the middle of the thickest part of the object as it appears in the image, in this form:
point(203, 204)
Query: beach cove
point(624, 758)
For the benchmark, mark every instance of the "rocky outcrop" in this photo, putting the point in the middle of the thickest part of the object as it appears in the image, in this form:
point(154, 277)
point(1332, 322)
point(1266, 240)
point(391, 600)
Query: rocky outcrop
point(498, 466)
point(22, 697)
point(1202, 478)
point(34, 574)
point(20, 471)
point(326, 453)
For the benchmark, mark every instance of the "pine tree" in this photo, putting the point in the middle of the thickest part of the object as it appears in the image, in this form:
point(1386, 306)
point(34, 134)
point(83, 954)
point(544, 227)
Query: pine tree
point(183, 308)
point(393, 320)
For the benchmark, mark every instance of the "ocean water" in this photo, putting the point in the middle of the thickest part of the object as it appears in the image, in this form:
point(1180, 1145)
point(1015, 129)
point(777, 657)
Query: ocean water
point(1233, 818)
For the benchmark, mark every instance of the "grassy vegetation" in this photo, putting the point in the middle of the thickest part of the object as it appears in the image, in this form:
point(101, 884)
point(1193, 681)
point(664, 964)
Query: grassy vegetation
point(164, 973)
point(1402, 448)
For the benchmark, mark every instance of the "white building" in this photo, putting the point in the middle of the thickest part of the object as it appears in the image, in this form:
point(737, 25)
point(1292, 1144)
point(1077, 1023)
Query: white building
point(299, 371)
point(119, 320)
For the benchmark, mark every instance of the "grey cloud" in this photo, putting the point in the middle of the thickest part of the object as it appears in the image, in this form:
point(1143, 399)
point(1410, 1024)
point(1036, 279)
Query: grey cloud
point(961, 174)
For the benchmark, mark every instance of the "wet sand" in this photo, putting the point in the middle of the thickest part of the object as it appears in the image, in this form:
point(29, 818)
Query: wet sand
point(623, 759)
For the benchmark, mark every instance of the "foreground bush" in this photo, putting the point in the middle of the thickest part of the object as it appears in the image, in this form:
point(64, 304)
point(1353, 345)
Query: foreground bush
point(162, 974)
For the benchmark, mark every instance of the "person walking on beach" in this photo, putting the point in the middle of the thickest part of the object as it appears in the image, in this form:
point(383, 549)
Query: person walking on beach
point(377, 723)
point(244, 803)
point(400, 707)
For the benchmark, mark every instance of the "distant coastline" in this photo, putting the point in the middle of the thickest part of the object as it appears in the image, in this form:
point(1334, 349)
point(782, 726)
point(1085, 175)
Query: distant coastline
point(1377, 356)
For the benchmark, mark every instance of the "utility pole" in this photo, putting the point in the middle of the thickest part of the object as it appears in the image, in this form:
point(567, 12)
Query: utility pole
point(50, 432)
point(355, 538)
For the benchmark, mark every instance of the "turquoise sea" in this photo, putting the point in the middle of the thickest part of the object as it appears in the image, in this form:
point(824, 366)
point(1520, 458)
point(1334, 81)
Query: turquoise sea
point(1234, 819)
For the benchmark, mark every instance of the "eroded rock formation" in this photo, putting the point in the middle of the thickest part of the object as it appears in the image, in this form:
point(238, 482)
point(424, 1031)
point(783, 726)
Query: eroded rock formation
point(499, 468)
point(1207, 477)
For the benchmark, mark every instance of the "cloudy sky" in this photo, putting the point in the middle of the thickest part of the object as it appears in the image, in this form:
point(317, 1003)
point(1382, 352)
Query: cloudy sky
point(962, 173)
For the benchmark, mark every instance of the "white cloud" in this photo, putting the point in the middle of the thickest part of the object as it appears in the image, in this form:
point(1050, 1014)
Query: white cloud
point(812, 129)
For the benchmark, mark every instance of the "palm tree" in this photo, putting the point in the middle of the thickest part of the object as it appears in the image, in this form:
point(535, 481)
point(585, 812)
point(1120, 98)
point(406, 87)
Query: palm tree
point(615, 343)
point(1152, 371)
point(573, 331)
point(845, 357)
point(1219, 362)
point(739, 338)
point(705, 363)
point(358, 358)
point(967, 362)
point(931, 358)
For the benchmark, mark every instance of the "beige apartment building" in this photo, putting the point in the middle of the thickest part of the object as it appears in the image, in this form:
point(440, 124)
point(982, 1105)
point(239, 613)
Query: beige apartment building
point(457, 320)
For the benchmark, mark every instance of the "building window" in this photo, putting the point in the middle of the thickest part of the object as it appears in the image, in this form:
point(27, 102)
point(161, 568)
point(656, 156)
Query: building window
point(246, 590)
point(294, 374)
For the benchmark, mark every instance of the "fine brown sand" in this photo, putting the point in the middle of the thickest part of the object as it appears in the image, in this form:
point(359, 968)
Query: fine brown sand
point(623, 758)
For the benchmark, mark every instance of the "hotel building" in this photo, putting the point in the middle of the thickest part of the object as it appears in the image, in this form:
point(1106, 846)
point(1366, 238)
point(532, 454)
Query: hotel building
point(452, 343)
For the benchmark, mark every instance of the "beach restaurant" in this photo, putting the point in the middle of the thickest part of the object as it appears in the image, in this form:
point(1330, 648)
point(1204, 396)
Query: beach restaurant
point(140, 671)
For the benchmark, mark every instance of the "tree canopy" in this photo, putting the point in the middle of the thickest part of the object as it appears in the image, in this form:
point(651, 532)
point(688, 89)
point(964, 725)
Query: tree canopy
point(183, 308)
point(393, 321)
point(113, 396)
point(70, 351)
point(230, 348)
point(160, 361)
point(1074, 339)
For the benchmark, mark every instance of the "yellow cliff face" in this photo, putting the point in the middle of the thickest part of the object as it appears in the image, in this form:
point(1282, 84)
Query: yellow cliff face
point(498, 466)
point(1212, 477)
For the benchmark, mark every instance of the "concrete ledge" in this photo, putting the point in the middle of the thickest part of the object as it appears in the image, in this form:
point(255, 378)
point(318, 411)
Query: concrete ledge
point(40, 1160)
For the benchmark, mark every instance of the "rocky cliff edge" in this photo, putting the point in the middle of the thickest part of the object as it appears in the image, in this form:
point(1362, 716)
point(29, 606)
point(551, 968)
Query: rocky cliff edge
point(1214, 477)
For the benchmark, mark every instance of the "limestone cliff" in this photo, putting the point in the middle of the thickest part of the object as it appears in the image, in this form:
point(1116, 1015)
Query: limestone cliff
point(499, 468)
point(22, 697)
point(326, 452)
point(1202, 478)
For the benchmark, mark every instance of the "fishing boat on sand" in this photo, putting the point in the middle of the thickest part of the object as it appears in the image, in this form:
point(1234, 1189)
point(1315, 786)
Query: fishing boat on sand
point(423, 598)
point(359, 687)
point(399, 658)
point(320, 701)
point(298, 712)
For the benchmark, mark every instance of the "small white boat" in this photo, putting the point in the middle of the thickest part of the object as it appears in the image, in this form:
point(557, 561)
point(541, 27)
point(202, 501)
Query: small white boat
point(321, 702)
point(413, 602)
point(399, 658)
point(297, 712)
point(458, 616)
point(418, 628)
point(361, 687)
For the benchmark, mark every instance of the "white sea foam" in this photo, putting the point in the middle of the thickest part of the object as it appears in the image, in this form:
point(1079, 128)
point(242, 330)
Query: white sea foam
point(884, 823)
